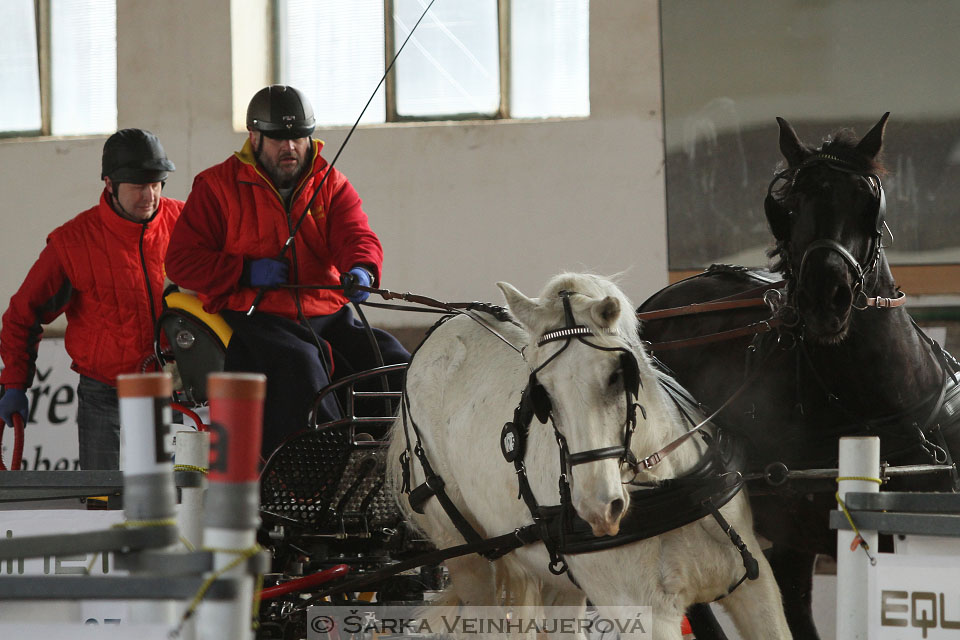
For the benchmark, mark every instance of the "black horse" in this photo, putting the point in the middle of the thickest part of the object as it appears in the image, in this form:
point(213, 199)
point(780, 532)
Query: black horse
point(830, 353)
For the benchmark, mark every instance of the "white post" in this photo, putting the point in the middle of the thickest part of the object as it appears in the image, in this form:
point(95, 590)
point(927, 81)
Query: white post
point(192, 450)
point(860, 458)
point(148, 490)
point(231, 515)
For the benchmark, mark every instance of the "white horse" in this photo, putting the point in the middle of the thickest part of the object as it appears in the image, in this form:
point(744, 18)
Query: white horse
point(464, 383)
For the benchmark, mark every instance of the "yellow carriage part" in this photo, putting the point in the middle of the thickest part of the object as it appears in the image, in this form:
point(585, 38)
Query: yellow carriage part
point(198, 340)
point(192, 305)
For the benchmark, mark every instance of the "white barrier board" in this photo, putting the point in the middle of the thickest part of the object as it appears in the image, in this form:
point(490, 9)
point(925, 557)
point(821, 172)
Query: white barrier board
point(19, 524)
point(914, 596)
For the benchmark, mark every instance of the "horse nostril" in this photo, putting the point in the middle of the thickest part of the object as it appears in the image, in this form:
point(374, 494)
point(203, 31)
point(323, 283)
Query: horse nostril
point(616, 508)
point(842, 297)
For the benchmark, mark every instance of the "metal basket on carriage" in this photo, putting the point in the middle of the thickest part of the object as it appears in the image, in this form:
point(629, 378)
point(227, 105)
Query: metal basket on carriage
point(328, 482)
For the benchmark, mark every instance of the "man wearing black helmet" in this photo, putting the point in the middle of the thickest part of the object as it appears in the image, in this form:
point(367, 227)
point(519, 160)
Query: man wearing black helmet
point(229, 247)
point(104, 270)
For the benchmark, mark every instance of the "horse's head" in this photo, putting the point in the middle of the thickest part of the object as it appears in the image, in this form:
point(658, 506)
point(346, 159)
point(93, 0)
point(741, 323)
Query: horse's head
point(826, 210)
point(585, 374)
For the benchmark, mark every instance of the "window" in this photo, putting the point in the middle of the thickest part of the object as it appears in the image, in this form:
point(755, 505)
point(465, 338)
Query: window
point(477, 59)
point(59, 67)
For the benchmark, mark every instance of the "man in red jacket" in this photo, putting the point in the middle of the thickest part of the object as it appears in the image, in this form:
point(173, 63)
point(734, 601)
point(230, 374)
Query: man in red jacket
point(104, 269)
point(229, 247)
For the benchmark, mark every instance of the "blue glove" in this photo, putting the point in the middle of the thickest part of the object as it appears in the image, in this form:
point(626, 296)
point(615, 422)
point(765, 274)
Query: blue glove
point(14, 401)
point(266, 272)
point(350, 280)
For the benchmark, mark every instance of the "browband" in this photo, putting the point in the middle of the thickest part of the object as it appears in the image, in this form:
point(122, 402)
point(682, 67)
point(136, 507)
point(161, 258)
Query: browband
point(567, 332)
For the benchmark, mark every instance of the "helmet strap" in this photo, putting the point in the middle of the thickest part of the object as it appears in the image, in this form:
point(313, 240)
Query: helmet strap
point(119, 209)
point(259, 149)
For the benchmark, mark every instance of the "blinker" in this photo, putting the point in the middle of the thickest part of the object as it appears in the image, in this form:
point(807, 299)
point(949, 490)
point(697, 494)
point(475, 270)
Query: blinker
point(631, 373)
point(540, 399)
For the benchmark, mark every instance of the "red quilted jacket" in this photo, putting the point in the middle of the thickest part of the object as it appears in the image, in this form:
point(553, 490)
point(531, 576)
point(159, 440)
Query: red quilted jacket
point(234, 212)
point(94, 268)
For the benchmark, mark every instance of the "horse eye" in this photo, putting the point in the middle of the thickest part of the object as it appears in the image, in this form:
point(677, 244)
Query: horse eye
point(614, 378)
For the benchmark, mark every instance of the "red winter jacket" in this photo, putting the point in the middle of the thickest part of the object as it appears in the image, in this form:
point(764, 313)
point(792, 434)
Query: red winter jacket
point(93, 269)
point(234, 212)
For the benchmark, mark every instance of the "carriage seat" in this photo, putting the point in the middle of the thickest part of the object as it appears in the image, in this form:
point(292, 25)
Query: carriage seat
point(198, 341)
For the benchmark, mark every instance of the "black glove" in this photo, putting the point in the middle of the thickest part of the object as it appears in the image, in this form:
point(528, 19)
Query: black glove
point(265, 272)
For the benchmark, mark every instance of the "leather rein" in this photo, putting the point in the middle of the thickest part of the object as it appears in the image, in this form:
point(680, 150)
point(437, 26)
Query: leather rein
point(769, 295)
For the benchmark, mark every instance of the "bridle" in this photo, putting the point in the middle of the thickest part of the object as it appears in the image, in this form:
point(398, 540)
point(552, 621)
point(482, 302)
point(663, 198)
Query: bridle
point(860, 270)
point(535, 401)
point(630, 371)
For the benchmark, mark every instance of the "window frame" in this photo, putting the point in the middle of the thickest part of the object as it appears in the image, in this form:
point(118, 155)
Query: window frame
point(503, 58)
point(44, 28)
point(504, 31)
point(41, 13)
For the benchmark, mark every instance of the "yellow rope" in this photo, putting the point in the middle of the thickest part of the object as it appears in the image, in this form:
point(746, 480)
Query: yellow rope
point(858, 539)
point(242, 556)
point(166, 522)
point(190, 467)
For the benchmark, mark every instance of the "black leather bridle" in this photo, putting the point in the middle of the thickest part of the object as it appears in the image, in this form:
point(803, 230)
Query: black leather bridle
point(860, 270)
point(535, 401)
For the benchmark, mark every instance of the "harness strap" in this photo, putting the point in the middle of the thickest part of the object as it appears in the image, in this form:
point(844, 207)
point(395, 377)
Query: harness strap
point(434, 486)
point(707, 307)
point(750, 564)
point(657, 457)
point(764, 326)
point(886, 303)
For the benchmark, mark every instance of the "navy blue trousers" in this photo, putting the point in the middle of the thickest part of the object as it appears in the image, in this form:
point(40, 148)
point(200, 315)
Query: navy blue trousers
point(285, 352)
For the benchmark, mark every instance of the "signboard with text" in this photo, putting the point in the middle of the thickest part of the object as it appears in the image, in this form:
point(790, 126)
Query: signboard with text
point(913, 596)
point(50, 441)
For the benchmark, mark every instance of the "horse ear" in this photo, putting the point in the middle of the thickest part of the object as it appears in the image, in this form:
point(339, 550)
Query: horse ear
point(606, 312)
point(522, 307)
point(790, 146)
point(872, 142)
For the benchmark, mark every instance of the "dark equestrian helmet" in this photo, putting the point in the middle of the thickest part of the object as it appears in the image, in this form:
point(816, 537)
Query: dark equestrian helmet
point(279, 111)
point(135, 155)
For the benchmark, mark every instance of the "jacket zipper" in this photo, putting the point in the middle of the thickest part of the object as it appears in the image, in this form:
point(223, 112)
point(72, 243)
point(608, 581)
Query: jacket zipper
point(146, 276)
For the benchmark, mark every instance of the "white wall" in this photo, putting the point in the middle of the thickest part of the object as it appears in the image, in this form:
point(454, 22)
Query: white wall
point(457, 206)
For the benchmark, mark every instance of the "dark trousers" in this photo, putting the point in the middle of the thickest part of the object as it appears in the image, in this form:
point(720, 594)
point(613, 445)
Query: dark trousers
point(285, 352)
point(98, 425)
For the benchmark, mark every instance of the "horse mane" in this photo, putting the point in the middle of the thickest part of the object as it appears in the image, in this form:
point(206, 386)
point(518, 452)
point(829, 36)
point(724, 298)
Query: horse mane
point(841, 144)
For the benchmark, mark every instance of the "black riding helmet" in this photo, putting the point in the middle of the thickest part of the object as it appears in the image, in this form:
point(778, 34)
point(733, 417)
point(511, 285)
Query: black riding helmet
point(279, 111)
point(136, 156)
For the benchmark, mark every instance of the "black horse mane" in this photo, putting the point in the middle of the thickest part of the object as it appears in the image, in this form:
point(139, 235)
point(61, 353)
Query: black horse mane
point(842, 145)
